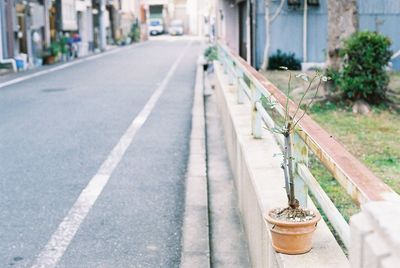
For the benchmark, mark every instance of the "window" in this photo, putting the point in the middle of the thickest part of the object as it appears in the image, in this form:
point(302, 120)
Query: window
point(313, 2)
point(155, 23)
point(294, 2)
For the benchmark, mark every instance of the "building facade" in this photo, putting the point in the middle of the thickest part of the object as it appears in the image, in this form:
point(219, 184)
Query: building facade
point(297, 28)
point(32, 30)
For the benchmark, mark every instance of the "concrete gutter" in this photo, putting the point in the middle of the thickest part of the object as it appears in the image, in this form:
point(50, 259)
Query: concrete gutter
point(195, 234)
point(228, 243)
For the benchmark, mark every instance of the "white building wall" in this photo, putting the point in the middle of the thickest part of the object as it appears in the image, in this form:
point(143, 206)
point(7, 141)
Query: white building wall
point(227, 20)
point(85, 25)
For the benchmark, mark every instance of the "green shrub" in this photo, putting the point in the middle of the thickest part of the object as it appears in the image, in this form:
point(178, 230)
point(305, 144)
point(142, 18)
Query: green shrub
point(365, 54)
point(55, 49)
point(333, 84)
point(64, 45)
point(211, 53)
point(135, 32)
point(283, 59)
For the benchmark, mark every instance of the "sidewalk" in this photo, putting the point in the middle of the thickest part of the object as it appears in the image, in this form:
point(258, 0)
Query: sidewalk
point(10, 75)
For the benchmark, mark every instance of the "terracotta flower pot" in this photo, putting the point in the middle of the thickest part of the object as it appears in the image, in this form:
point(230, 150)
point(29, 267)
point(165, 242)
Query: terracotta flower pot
point(49, 59)
point(292, 237)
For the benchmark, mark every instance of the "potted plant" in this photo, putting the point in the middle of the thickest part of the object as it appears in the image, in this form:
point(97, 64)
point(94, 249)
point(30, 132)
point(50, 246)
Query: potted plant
point(210, 54)
point(48, 58)
point(293, 226)
point(52, 53)
point(65, 44)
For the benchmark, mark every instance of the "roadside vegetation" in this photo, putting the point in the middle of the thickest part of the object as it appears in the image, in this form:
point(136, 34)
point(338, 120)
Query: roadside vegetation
point(360, 107)
point(372, 138)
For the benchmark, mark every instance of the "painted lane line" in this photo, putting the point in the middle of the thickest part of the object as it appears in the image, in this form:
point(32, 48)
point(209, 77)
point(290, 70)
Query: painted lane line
point(62, 237)
point(63, 66)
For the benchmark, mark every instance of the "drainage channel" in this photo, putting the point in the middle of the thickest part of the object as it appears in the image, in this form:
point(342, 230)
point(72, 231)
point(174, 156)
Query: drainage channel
point(228, 245)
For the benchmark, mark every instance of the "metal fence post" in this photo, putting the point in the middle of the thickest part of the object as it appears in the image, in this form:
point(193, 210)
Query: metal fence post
point(225, 63)
point(220, 56)
point(300, 154)
point(256, 122)
point(231, 74)
point(240, 90)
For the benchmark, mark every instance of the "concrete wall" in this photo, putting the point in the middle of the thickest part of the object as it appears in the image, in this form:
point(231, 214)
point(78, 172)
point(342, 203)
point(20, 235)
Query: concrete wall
point(376, 236)
point(259, 181)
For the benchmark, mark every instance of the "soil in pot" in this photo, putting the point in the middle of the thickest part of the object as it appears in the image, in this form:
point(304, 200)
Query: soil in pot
point(292, 229)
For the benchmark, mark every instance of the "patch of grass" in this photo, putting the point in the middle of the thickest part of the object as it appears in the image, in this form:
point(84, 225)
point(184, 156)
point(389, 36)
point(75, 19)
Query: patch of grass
point(328, 223)
point(335, 191)
point(373, 139)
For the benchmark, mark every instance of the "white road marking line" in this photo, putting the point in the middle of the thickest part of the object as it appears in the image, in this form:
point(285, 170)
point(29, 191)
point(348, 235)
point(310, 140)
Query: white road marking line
point(63, 66)
point(62, 237)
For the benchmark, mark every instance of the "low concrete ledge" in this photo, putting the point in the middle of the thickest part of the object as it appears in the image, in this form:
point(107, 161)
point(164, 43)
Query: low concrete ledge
point(260, 185)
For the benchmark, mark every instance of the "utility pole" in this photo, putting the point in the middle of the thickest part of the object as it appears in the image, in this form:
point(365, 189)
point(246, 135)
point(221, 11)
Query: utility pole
point(8, 26)
point(102, 25)
point(1, 29)
point(47, 41)
point(28, 32)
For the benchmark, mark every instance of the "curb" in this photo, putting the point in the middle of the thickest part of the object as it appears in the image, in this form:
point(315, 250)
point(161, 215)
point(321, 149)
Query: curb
point(195, 230)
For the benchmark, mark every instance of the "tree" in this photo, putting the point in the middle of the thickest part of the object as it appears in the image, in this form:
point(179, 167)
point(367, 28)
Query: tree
point(342, 22)
point(268, 20)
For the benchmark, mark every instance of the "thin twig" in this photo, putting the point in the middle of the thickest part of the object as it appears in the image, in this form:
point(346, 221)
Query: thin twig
point(274, 130)
point(304, 94)
point(278, 10)
point(309, 105)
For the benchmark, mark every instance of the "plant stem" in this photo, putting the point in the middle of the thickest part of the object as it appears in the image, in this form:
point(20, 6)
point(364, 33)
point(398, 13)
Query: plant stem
point(292, 198)
point(287, 98)
point(285, 167)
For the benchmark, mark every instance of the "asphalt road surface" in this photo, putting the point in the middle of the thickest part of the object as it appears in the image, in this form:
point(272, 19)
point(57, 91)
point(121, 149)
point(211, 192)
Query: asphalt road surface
point(93, 159)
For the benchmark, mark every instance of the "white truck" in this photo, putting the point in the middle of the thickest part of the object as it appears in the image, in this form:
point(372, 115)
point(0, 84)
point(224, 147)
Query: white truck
point(156, 26)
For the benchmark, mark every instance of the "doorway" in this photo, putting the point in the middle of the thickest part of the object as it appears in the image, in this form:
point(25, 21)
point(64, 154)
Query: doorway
point(243, 29)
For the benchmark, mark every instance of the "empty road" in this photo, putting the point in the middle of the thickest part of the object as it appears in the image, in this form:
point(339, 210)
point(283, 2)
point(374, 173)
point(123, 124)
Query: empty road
point(93, 159)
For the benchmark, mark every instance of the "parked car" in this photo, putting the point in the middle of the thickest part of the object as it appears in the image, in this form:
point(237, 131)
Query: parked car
point(156, 26)
point(176, 27)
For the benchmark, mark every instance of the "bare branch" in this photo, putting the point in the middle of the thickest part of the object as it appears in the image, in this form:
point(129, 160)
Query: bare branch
point(304, 94)
point(278, 11)
point(309, 105)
